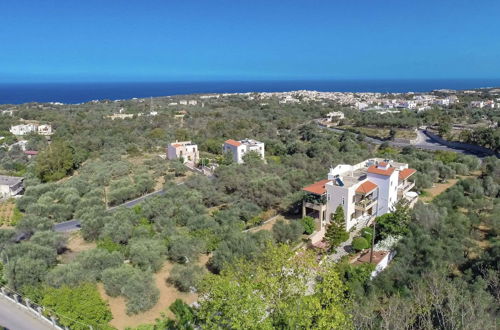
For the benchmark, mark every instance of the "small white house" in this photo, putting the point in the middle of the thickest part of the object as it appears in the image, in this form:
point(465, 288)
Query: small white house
point(186, 150)
point(10, 186)
point(45, 130)
point(240, 148)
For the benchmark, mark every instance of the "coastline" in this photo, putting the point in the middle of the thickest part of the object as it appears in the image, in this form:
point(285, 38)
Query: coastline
point(82, 92)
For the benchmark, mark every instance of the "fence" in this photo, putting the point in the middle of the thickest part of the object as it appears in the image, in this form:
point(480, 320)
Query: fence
point(35, 310)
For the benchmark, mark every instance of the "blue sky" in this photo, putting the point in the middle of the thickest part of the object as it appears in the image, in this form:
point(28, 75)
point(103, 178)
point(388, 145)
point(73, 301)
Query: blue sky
point(155, 40)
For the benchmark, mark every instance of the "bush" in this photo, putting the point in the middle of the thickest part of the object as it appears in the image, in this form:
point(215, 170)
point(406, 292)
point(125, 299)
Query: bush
point(186, 277)
point(115, 278)
point(309, 225)
point(360, 243)
point(141, 292)
point(81, 305)
point(367, 233)
point(287, 233)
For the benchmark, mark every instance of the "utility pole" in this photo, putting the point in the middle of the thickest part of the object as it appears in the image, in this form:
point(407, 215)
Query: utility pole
point(373, 242)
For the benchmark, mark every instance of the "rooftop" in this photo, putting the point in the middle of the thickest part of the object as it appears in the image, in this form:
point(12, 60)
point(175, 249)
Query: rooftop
point(366, 187)
point(233, 142)
point(351, 175)
point(382, 170)
point(10, 180)
point(317, 188)
point(406, 173)
point(178, 144)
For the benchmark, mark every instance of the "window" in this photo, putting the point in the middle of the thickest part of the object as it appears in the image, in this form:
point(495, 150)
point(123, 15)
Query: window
point(343, 200)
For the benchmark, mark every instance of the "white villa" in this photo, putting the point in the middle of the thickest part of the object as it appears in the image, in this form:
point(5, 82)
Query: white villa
point(240, 148)
point(10, 186)
point(186, 150)
point(365, 191)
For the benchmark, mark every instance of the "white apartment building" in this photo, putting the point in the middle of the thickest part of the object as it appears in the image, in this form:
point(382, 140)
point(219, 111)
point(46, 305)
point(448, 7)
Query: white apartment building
point(186, 150)
point(240, 148)
point(365, 190)
point(10, 186)
point(23, 129)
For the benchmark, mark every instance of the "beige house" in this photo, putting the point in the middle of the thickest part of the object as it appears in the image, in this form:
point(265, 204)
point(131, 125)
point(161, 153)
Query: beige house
point(186, 150)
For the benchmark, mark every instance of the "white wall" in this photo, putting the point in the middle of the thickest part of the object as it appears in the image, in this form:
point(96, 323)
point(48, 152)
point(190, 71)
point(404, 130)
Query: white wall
point(336, 196)
point(387, 192)
point(4, 191)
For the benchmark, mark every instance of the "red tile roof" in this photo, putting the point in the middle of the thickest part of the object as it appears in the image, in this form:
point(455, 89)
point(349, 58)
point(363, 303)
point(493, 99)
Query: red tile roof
point(373, 169)
point(383, 164)
point(406, 173)
point(366, 187)
point(317, 188)
point(176, 145)
point(233, 142)
point(31, 152)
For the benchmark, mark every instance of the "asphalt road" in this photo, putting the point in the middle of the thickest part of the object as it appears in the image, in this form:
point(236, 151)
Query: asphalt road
point(423, 142)
point(14, 317)
point(72, 225)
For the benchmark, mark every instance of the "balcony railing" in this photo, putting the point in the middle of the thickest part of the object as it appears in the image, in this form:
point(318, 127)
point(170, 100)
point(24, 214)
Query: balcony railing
point(315, 199)
point(364, 204)
point(404, 187)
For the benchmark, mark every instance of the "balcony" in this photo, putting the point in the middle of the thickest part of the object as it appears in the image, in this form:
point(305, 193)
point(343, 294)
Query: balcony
point(365, 204)
point(404, 187)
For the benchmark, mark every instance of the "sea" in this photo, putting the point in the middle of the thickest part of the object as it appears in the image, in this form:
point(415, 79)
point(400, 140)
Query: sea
point(73, 93)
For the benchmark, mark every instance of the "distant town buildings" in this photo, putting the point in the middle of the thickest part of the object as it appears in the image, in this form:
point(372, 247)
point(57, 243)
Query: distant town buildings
point(240, 148)
point(365, 190)
point(10, 186)
point(24, 129)
point(483, 104)
point(185, 151)
point(120, 116)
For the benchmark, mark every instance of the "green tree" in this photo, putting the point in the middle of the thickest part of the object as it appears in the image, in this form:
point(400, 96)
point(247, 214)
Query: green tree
point(260, 295)
point(335, 232)
point(287, 232)
point(186, 277)
point(360, 243)
point(393, 224)
point(55, 162)
point(309, 226)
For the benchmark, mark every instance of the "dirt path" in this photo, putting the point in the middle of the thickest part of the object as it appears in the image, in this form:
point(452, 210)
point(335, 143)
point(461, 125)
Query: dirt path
point(76, 244)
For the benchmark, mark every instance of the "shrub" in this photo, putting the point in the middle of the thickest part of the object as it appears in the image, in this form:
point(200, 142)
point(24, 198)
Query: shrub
point(186, 277)
point(360, 243)
point(287, 233)
point(308, 224)
point(367, 233)
point(115, 278)
point(81, 305)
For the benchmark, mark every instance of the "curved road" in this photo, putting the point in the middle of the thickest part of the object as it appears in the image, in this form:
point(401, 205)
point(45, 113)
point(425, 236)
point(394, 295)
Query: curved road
point(423, 142)
point(14, 317)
